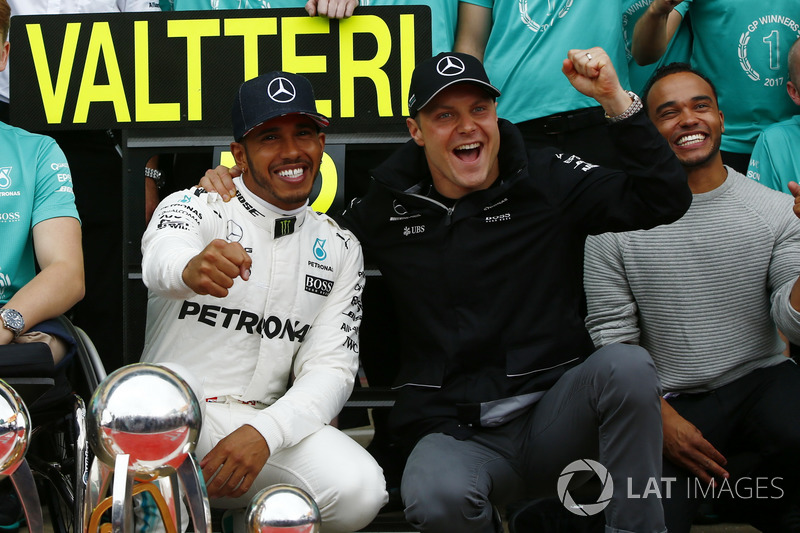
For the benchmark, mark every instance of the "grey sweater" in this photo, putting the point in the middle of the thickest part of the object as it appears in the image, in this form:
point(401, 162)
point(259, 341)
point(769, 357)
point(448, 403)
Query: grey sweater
point(705, 295)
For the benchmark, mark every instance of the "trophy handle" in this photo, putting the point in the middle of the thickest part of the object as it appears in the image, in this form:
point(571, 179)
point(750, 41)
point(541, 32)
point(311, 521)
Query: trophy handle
point(191, 476)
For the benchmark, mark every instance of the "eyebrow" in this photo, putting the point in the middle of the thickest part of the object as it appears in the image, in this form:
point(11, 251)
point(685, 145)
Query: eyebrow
point(699, 98)
point(444, 106)
point(300, 125)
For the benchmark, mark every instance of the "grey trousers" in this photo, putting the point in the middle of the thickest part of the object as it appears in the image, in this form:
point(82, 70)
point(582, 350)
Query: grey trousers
point(606, 409)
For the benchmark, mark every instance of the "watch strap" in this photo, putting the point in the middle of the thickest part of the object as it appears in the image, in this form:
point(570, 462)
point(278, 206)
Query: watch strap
point(635, 107)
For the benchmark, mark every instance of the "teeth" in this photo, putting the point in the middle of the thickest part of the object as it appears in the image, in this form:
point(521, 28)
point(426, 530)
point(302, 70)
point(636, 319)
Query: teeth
point(697, 137)
point(293, 173)
point(468, 146)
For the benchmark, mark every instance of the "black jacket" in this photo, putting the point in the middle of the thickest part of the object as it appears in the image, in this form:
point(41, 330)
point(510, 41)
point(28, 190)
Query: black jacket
point(489, 292)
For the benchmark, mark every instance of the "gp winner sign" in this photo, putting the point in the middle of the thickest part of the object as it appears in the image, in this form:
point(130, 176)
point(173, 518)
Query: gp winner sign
point(182, 69)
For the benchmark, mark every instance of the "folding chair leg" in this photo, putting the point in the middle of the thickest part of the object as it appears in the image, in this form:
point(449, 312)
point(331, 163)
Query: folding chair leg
point(22, 478)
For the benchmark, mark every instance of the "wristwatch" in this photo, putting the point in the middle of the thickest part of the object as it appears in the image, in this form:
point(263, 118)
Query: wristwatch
point(12, 321)
point(156, 175)
point(635, 107)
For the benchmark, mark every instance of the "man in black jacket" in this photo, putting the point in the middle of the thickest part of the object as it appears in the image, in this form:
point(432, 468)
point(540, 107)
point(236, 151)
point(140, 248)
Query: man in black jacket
point(502, 395)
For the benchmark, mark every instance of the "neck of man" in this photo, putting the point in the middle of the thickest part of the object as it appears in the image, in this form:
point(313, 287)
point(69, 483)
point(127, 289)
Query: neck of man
point(707, 176)
point(249, 187)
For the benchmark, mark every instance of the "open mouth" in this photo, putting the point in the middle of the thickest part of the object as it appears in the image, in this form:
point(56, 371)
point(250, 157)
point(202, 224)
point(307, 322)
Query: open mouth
point(292, 175)
point(468, 152)
point(687, 141)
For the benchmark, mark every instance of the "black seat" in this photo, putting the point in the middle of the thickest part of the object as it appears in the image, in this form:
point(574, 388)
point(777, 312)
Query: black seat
point(58, 454)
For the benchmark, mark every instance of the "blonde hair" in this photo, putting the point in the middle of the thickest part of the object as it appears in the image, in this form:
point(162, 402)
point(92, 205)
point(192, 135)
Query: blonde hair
point(5, 20)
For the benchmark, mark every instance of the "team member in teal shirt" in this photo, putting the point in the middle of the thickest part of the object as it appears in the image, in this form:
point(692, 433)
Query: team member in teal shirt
point(678, 50)
point(741, 45)
point(522, 45)
point(39, 224)
point(35, 187)
point(444, 13)
point(776, 158)
point(524, 51)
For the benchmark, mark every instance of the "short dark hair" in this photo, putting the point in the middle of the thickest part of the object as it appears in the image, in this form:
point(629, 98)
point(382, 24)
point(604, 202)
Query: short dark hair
point(5, 20)
point(674, 68)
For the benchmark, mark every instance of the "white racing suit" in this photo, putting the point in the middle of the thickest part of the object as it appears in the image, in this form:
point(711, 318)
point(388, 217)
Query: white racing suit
point(296, 318)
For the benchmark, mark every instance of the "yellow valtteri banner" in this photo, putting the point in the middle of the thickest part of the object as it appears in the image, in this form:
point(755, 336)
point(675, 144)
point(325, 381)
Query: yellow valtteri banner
point(181, 69)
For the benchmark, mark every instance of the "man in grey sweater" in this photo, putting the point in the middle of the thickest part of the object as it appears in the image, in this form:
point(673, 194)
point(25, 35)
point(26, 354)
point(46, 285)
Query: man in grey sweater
point(706, 297)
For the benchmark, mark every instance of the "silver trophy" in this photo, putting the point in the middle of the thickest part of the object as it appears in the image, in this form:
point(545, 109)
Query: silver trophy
point(143, 425)
point(14, 433)
point(283, 509)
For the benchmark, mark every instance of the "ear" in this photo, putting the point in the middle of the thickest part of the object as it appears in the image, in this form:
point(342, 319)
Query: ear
point(415, 131)
point(4, 55)
point(239, 155)
point(321, 140)
point(721, 122)
point(794, 92)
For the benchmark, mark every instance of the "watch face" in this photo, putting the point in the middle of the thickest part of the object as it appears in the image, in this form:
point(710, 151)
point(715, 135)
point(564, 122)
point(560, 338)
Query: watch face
point(13, 320)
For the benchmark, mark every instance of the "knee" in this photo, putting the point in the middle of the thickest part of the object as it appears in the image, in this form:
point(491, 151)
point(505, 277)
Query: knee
point(356, 500)
point(434, 510)
point(444, 507)
point(195, 384)
point(626, 370)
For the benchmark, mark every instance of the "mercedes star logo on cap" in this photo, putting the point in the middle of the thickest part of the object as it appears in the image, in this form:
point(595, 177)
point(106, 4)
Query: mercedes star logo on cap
point(450, 66)
point(281, 90)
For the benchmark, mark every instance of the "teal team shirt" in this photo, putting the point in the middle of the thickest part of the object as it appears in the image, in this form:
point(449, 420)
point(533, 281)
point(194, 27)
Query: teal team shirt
point(35, 185)
point(679, 48)
point(200, 5)
point(776, 158)
point(741, 46)
point(528, 43)
point(444, 13)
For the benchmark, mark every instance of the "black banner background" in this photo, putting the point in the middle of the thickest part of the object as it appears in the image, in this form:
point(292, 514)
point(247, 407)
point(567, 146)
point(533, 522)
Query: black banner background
point(99, 98)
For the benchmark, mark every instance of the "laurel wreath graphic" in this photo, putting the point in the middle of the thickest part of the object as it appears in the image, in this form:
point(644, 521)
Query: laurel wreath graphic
point(535, 26)
point(5, 282)
point(743, 61)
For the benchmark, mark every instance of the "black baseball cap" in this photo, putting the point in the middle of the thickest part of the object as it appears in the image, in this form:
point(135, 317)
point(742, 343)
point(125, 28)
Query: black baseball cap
point(271, 95)
point(437, 73)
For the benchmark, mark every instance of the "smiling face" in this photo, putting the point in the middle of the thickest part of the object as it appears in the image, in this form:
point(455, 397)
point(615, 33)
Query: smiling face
point(459, 132)
point(280, 159)
point(684, 109)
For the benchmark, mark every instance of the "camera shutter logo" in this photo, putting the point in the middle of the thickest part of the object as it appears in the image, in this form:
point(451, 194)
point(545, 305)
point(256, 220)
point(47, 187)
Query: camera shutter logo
point(450, 66)
point(281, 90)
point(585, 465)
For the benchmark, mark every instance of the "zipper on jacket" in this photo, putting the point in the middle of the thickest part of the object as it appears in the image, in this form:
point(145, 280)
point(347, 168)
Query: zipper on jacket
point(448, 209)
point(449, 216)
